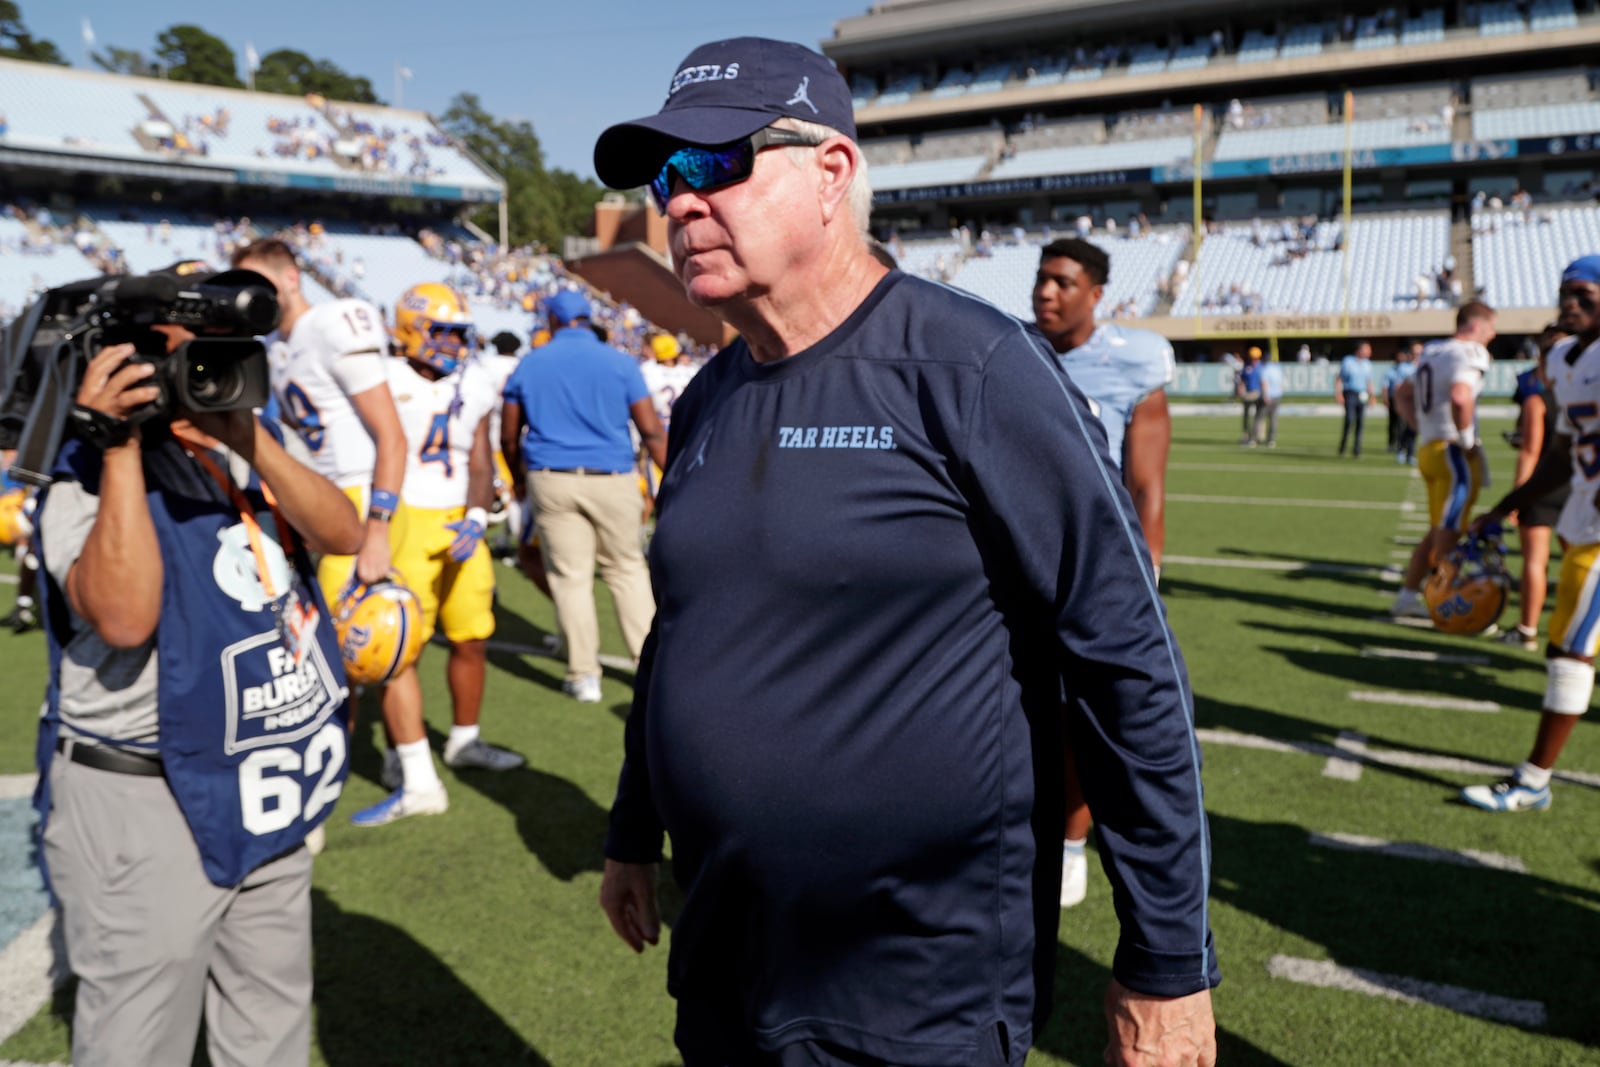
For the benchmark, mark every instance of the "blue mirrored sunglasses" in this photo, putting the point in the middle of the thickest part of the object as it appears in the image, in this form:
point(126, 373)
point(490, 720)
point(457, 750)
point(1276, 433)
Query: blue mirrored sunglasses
point(712, 168)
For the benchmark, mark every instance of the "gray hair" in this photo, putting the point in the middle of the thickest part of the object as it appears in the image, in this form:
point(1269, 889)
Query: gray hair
point(859, 196)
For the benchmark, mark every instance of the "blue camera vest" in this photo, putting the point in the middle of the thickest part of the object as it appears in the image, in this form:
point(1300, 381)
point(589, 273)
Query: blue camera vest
point(253, 736)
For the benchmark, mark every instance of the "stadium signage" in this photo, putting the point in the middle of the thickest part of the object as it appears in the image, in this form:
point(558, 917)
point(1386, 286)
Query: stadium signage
point(366, 185)
point(1197, 380)
point(1299, 324)
point(1014, 186)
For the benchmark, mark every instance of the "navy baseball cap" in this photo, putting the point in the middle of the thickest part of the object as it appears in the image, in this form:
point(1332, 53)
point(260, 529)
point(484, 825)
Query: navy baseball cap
point(567, 305)
point(723, 92)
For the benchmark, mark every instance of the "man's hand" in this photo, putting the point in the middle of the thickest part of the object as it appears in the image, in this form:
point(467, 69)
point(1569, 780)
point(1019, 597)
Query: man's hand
point(628, 897)
point(1492, 517)
point(469, 535)
point(372, 562)
point(113, 386)
point(1159, 1031)
point(236, 429)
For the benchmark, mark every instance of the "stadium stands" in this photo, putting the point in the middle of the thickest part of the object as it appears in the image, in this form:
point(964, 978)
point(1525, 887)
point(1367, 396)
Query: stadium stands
point(1138, 268)
point(1085, 159)
point(1517, 256)
point(32, 261)
point(1496, 18)
point(67, 109)
point(1279, 266)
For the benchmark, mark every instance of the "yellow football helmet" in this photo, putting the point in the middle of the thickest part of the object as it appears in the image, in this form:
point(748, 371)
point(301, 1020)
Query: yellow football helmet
point(433, 325)
point(379, 627)
point(1467, 590)
point(16, 524)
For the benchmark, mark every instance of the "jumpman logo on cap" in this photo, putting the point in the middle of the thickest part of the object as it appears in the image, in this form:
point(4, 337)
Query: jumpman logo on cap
point(802, 95)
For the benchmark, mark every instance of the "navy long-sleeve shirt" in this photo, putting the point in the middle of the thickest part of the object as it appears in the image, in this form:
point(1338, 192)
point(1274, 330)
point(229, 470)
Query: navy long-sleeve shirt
point(879, 564)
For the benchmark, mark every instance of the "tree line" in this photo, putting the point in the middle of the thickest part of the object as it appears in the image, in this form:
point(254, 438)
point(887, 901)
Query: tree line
point(543, 205)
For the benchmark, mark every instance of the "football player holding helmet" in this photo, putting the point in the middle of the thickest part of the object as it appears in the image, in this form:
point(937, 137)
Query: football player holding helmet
point(379, 627)
point(1467, 590)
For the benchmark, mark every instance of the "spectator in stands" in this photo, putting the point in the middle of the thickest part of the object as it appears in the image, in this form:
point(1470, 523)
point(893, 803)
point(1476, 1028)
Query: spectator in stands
point(1353, 389)
point(1247, 387)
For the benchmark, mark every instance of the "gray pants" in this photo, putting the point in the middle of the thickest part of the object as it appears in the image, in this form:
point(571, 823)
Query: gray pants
point(151, 940)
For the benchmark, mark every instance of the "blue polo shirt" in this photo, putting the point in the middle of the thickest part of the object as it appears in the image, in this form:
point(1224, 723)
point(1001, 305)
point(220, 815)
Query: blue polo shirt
point(1355, 374)
point(575, 393)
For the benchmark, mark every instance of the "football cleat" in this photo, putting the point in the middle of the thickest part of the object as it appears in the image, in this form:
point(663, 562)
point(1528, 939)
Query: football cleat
point(379, 627)
point(478, 754)
point(1409, 605)
point(1508, 794)
point(1517, 637)
point(1467, 591)
point(432, 325)
point(400, 803)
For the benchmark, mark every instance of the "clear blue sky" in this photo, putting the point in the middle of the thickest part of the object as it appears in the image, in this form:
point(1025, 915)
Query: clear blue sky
point(569, 68)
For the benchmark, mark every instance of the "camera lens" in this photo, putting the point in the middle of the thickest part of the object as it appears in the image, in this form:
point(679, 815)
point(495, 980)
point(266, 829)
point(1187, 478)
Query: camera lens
point(214, 383)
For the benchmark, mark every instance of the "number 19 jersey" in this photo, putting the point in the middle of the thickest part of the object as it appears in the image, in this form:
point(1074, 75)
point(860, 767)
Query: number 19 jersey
point(1442, 364)
point(314, 403)
point(439, 429)
point(1576, 379)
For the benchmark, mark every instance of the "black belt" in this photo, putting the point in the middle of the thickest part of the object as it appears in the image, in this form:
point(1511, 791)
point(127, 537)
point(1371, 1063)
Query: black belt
point(573, 470)
point(116, 760)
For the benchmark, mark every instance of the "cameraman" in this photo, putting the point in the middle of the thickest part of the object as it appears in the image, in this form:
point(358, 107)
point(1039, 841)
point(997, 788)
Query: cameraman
point(196, 724)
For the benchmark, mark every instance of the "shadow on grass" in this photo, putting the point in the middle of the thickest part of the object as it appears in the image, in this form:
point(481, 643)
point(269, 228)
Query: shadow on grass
point(420, 1013)
point(1174, 587)
point(1076, 1031)
point(1432, 922)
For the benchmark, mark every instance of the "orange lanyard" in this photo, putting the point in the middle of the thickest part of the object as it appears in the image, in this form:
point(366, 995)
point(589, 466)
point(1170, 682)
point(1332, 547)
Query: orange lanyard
point(247, 514)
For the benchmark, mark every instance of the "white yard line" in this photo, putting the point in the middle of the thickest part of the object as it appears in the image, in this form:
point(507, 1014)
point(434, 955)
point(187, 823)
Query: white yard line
point(1287, 502)
point(1289, 471)
point(1416, 761)
point(1405, 620)
point(1423, 657)
point(1418, 700)
point(17, 785)
point(8, 579)
point(29, 973)
point(1327, 974)
point(1411, 850)
point(1342, 768)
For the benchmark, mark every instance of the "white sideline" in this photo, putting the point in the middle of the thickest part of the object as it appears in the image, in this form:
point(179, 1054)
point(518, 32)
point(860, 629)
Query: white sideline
point(1411, 850)
point(1423, 657)
point(1287, 502)
point(7, 579)
point(1418, 700)
point(29, 973)
point(1416, 761)
point(17, 785)
point(1327, 974)
point(1343, 768)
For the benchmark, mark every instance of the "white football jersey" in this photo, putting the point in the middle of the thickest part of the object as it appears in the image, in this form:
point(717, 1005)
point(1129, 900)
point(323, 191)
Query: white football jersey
point(1441, 365)
point(666, 384)
point(1577, 390)
point(439, 439)
point(312, 402)
point(498, 370)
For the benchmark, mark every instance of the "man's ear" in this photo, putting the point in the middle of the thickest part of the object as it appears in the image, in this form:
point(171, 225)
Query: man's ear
point(838, 161)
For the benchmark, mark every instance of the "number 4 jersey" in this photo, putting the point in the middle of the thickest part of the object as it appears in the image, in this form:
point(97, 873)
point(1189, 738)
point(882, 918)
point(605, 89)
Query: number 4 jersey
point(335, 351)
point(1576, 378)
point(440, 418)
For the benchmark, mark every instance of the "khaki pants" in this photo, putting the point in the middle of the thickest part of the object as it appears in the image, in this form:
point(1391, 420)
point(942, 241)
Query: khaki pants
point(589, 521)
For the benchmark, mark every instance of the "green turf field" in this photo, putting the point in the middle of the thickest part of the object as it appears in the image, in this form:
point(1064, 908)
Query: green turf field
point(475, 939)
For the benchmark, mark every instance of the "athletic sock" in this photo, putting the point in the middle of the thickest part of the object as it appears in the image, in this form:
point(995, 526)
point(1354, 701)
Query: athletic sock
point(460, 737)
point(1533, 777)
point(416, 767)
point(1070, 847)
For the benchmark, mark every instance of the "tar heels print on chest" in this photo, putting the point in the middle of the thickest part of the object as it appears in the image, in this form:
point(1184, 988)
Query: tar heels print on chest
point(877, 438)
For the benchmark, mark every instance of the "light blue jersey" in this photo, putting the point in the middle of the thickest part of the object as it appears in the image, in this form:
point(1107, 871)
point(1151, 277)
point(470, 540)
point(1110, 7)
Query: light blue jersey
point(1116, 368)
point(1355, 374)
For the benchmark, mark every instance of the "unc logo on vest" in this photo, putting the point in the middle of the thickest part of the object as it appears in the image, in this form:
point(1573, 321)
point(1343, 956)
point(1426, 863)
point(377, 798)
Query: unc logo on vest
point(873, 437)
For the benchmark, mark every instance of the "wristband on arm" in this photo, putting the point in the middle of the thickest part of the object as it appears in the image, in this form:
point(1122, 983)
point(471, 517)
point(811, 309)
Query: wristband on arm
point(384, 504)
